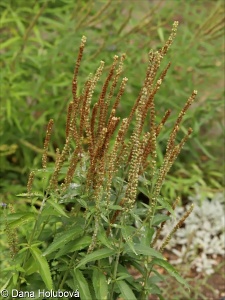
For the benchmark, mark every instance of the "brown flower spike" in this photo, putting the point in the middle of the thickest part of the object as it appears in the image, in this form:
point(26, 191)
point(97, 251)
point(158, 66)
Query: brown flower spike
point(106, 147)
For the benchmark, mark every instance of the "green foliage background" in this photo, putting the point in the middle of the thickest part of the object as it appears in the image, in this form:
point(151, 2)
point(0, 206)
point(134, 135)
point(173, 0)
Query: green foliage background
point(40, 41)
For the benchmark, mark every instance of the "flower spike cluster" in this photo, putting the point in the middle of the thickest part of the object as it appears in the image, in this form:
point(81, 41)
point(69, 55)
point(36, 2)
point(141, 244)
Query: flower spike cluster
point(104, 147)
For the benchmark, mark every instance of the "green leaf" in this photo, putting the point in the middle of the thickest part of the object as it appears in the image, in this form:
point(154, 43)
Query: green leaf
point(9, 42)
point(125, 290)
point(129, 247)
point(100, 284)
point(204, 150)
point(127, 232)
point(8, 109)
point(96, 255)
point(12, 217)
point(170, 269)
point(159, 218)
point(49, 211)
point(43, 267)
point(63, 239)
point(121, 276)
point(14, 268)
point(82, 202)
point(75, 245)
point(18, 124)
point(31, 266)
point(82, 285)
point(147, 236)
point(166, 205)
point(115, 207)
point(30, 195)
point(18, 20)
point(144, 250)
point(6, 284)
point(24, 219)
point(144, 191)
point(102, 237)
point(157, 275)
point(161, 35)
point(57, 207)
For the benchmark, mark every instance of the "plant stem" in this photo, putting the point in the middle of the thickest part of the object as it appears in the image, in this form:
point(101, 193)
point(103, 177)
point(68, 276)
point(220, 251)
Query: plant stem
point(67, 271)
point(147, 275)
point(116, 267)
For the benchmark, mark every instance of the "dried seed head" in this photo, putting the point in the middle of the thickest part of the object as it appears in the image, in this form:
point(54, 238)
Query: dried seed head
point(30, 182)
point(46, 143)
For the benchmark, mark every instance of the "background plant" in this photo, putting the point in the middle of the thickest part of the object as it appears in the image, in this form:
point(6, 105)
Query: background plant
point(90, 247)
point(38, 42)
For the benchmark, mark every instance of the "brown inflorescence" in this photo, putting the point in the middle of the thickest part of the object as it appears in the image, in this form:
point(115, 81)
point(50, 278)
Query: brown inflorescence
point(46, 143)
point(98, 138)
point(176, 227)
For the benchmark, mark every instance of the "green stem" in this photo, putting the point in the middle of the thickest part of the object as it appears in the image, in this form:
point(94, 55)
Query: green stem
point(67, 271)
point(147, 275)
point(115, 268)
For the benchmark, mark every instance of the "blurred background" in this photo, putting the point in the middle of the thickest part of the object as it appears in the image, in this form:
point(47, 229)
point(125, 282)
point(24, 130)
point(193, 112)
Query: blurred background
point(39, 46)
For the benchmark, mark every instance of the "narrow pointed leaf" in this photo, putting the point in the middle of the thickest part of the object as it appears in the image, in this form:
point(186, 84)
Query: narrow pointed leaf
point(104, 239)
point(159, 218)
point(96, 255)
point(24, 219)
point(100, 284)
point(82, 285)
point(63, 239)
point(125, 290)
point(144, 250)
point(9, 42)
point(75, 245)
point(165, 204)
point(170, 269)
point(43, 267)
point(127, 233)
point(57, 207)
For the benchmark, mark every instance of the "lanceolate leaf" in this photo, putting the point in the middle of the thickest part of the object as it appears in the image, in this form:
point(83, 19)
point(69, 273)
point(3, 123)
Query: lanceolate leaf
point(75, 245)
point(170, 269)
point(127, 232)
point(15, 217)
point(82, 285)
point(104, 239)
point(9, 42)
point(63, 239)
point(159, 218)
point(100, 284)
point(125, 290)
point(166, 205)
point(96, 255)
point(24, 219)
point(43, 267)
point(147, 238)
point(5, 285)
point(144, 250)
point(57, 207)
